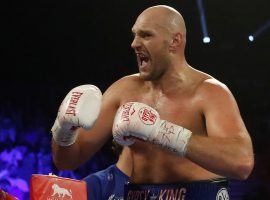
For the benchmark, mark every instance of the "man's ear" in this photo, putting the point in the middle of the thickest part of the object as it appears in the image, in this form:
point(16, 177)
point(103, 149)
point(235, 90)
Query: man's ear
point(176, 41)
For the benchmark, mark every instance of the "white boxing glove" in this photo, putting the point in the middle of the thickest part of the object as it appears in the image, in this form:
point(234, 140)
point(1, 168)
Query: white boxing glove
point(121, 121)
point(142, 121)
point(80, 108)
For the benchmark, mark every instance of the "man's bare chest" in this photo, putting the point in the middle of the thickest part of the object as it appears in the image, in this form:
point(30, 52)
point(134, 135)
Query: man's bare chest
point(179, 109)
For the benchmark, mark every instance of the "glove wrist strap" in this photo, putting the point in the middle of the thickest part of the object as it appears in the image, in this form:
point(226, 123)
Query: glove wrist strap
point(172, 137)
point(62, 136)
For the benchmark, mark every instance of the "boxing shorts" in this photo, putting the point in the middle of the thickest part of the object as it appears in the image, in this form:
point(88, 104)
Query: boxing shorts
point(198, 190)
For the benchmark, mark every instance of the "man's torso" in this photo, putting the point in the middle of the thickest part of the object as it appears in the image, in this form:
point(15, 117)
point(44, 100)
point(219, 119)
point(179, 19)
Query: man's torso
point(151, 164)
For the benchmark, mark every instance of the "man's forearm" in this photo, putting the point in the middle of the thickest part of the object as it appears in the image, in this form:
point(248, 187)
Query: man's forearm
point(230, 157)
point(65, 158)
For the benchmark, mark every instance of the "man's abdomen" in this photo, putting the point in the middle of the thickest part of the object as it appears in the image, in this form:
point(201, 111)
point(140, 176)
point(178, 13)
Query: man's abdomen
point(155, 165)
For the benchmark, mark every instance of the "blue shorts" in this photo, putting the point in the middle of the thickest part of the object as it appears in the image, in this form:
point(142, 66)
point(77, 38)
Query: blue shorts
point(198, 190)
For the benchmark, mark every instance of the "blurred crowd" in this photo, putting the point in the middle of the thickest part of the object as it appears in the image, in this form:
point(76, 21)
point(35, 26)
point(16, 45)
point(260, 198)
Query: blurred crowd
point(25, 150)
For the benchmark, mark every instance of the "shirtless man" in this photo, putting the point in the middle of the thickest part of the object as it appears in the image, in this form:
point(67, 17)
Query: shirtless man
point(186, 129)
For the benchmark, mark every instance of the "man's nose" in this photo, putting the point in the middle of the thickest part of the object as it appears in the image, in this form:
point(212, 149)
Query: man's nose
point(136, 43)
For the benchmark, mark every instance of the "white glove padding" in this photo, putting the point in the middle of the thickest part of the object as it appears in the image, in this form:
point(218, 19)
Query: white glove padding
point(142, 121)
point(80, 108)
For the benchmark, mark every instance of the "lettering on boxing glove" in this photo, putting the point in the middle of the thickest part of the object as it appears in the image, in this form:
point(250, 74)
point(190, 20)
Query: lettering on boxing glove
point(121, 119)
point(172, 137)
point(75, 96)
point(80, 108)
point(142, 121)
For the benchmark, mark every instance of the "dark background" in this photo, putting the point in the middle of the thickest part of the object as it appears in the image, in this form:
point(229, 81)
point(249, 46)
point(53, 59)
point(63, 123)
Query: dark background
point(52, 46)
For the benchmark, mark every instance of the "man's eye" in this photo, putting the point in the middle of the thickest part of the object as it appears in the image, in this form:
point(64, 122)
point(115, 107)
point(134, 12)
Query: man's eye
point(146, 35)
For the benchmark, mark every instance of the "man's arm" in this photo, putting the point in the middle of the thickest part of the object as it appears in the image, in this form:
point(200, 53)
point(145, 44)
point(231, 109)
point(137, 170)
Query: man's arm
point(89, 141)
point(227, 148)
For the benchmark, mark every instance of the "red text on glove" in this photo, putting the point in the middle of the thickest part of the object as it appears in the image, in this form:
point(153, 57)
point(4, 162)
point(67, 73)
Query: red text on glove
point(73, 102)
point(125, 113)
point(147, 116)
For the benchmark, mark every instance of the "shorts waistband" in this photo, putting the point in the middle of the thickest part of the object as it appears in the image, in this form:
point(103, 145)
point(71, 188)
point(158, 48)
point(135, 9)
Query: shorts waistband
point(198, 190)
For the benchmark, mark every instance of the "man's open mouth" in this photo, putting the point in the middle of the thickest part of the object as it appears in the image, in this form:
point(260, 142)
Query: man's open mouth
point(142, 60)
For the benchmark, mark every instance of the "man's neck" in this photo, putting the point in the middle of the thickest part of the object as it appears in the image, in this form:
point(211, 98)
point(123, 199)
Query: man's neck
point(175, 78)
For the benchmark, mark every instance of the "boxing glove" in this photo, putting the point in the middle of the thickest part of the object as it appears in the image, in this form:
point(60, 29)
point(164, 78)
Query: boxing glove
point(141, 121)
point(80, 108)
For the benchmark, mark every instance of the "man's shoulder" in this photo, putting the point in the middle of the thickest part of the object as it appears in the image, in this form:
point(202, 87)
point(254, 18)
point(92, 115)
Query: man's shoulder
point(204, 82)
point(132, 79)
point(100, 175)
point(127, 82)
point(211, 88)
point(106, 171)
point(123, 86)
point(211, 83)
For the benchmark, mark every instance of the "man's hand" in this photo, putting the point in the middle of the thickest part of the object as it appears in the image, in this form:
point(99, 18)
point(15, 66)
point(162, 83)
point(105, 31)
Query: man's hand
point(142, 121)
point(80, 108)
